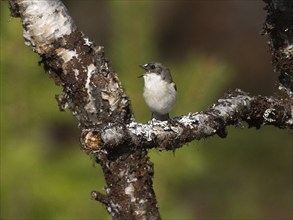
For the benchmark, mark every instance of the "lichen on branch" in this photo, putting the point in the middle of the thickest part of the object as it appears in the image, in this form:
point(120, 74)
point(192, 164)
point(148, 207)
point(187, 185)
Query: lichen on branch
point(109, 131)
point(91, 89)
point(235, 107)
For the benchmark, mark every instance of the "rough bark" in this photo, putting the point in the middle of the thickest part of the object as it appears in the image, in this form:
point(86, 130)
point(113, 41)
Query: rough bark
point(235, 107)
point(109, 131)
point(279, 27)
point(94, 95)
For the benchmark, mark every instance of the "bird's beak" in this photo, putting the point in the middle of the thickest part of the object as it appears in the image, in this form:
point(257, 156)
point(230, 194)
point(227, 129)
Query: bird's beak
point(143, 67)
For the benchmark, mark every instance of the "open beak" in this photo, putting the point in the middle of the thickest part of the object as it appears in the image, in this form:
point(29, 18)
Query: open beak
point(143, 67)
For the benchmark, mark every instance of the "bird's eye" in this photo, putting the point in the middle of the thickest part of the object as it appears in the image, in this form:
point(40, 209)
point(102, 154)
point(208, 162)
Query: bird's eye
point(152, 67)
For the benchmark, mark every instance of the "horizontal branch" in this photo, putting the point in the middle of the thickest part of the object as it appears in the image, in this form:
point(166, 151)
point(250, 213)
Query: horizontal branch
point(232, 109)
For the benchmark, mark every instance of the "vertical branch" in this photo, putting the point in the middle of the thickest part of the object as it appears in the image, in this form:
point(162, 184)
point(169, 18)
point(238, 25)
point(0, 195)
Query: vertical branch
point(94, 95)
point(279, 27)
point(129, 191)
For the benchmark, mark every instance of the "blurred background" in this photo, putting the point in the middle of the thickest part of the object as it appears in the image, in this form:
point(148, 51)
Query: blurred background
point(210, 47)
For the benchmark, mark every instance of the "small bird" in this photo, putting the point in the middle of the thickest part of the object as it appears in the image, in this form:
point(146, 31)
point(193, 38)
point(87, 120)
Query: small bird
point(159, 90)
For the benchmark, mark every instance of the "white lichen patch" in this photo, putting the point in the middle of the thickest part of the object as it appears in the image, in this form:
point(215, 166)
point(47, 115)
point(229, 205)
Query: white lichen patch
point(290, 122)
point(112, 135)
point(87, 42)
point(129, 190)
point(188, 121)
point(90, 70)
point(142, 201)
point(145, 130)
point(121, 173)
point(268, 115)
point(141, 214)
point(150, 133)
point(286, 90)
point(131, 178)
point(203, 123)
point(288, 51)
point(225, 108)
point(177, 130)
point(90, 106)
point(112, 98)
point(76, 73)
point(66, 55)
point(136, 129)
point(113, 208)
point(108, 190)
point(45, 21)
point(113, 94)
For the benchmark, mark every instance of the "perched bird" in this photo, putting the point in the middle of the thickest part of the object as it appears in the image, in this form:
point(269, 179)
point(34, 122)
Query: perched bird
point(159, 90)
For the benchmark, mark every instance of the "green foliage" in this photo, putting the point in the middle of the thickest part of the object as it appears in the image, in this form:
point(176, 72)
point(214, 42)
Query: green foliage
point(245, 176)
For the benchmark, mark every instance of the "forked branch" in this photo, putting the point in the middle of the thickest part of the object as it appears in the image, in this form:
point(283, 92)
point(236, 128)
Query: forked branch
point(94, 95)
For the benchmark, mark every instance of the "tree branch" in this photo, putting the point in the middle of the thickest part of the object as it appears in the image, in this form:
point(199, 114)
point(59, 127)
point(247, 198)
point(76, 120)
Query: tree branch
point(234, 107)
point(91, 90)
point(279, 27)
point(94, 95)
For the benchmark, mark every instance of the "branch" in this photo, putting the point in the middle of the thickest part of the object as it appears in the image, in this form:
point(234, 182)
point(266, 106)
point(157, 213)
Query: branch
point(233, 108)
point(279, 27)
point(91, 90)
point(94, 95)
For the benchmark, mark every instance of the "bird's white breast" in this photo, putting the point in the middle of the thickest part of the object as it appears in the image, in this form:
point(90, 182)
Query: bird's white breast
point(159, 95)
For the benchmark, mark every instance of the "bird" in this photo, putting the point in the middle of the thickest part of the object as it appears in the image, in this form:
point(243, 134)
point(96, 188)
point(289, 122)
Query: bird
point(159, 90)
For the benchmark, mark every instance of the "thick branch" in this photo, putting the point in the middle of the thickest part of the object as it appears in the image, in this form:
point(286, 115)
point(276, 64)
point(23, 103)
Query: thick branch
point(91, 90)
point(233, 108)
point(94, 95)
